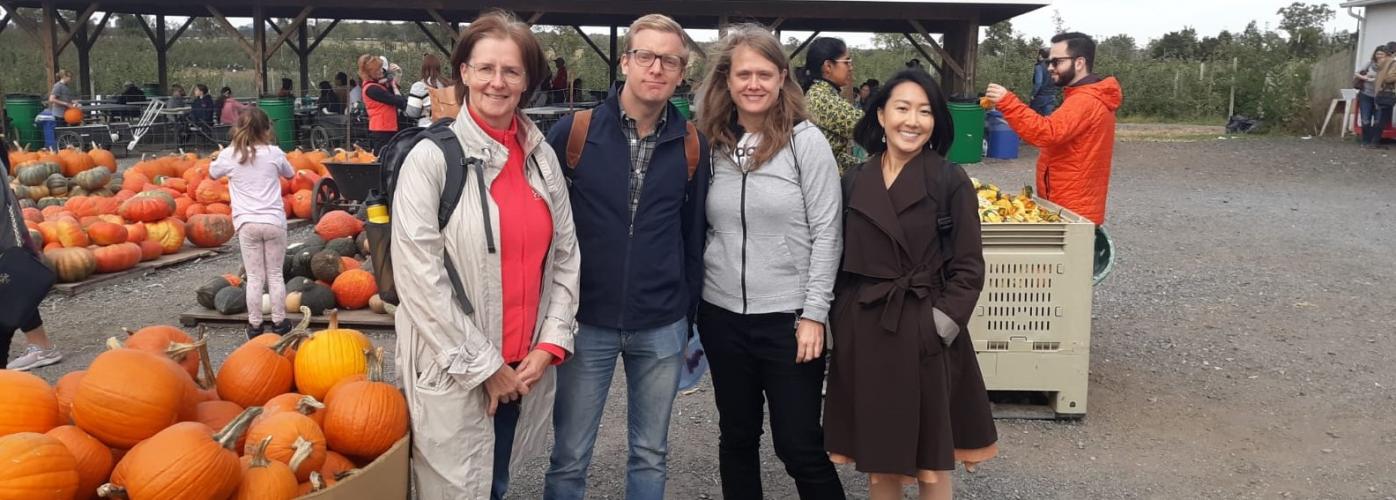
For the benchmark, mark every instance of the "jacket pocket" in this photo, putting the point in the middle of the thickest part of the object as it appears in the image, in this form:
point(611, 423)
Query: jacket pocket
point(771, 270)
point(432, 379)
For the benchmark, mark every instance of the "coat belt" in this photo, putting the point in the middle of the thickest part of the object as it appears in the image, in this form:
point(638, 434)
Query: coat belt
point(892, 294)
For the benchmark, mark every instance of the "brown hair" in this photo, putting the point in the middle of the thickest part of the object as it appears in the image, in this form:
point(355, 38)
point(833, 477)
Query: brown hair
point(500, 24)
point(368, 63)
point(252, 129)
point(718, 108)
point(61, 74)
point(431, 71)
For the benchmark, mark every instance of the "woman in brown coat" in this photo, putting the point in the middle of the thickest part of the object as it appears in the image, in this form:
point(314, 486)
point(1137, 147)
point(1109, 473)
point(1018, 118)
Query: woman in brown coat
point(906, 399)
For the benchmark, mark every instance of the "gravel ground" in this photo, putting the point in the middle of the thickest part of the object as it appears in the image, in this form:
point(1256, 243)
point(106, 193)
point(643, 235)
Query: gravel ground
point(1241, 348)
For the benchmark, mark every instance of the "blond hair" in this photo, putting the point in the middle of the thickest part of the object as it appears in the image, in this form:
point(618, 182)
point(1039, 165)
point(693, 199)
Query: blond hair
point(253, 129)
point(778, 125)
point(660, 23)
point(62, 73)
point(367, 64)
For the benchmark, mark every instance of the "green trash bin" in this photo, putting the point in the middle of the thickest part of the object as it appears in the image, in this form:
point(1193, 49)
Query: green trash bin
point(151, 90)
point(682, 104)
point(281, 111)
point(968, 146)
point(21, 110)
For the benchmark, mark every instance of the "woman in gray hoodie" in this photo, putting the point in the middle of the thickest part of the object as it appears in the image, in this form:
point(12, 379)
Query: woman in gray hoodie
point(773, 246)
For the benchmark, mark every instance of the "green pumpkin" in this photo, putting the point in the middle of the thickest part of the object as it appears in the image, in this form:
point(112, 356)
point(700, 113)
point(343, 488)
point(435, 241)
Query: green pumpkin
point(27, 203)
point(343, 246)
point(77, 191)
point(93, 179)
point(43, 203)
point(230, 300)
point(105, 192)
point(318, 298)
point(362, 242)
point(57, 185)
point(297, 284)
point(324, 265)
point(207, 293)
point(36, 173)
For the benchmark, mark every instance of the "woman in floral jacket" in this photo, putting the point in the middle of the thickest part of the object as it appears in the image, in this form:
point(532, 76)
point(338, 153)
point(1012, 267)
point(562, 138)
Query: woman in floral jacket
point(828, 69)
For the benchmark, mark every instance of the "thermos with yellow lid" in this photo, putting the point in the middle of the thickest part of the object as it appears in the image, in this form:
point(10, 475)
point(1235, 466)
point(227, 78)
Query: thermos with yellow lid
point(377, 206)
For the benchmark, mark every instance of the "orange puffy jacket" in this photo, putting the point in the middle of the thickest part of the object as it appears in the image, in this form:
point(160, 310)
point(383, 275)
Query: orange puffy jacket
point(1077, 142)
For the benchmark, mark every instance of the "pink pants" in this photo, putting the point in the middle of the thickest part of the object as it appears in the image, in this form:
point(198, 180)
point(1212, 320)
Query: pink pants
point(263, 254)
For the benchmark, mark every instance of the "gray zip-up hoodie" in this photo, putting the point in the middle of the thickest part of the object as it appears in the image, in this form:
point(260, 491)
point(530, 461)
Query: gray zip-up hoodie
point(775, 232)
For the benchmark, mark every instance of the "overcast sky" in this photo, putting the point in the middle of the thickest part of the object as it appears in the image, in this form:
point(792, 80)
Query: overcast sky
point(1142, 19)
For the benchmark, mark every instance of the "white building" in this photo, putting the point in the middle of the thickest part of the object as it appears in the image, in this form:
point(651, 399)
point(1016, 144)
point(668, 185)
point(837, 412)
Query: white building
point(1376, 26)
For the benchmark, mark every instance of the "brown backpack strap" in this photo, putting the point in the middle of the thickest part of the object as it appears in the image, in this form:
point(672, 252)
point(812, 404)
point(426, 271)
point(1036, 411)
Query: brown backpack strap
point(577, 137)
point(691, 149)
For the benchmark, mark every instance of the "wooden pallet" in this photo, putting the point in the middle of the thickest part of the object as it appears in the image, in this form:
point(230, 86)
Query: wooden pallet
point(359, 319)
point(97, 280)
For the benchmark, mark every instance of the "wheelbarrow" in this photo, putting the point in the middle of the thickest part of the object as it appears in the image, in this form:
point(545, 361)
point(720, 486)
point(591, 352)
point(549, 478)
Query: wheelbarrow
point(1104, 255)
point(345, 188)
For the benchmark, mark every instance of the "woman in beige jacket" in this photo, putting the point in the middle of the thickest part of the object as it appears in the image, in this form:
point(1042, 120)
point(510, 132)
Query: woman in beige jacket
point(480, 383)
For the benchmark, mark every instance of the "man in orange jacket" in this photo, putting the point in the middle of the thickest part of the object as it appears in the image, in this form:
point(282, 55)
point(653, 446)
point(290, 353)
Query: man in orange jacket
point(1078, 139)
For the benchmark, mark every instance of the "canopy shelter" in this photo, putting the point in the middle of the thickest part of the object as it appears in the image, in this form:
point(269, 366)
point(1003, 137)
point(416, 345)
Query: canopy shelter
point(57, 24)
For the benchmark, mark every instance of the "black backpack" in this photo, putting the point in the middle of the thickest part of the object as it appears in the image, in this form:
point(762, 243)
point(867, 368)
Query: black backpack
point(458, 166)
point(944, 175)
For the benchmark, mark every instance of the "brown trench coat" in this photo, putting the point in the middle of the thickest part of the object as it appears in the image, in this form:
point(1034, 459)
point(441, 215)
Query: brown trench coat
point(899, 402)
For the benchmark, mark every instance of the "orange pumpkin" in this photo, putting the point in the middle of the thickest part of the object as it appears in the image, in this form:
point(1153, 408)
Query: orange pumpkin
point(136, 232)
point(37, 466)
point(74, 161)
point(168, 232)
point(186, 460)
point(335, 464)
point(288, 202)
point(328, 356)
point(269, 339)
point(290, 434)
point(254, 373)
point(72, 264)
point(365, 418)
point(353, 288)
point(102, 158)
point(297, 403)
point(220, 208)
point(301, 204)
point(175, 183)
point(49, 231)
point(314, 484)
point(128, 396)
point(71, 235)
point(27, 404)
point(264, 479)
point(195, 209)
point(104, 233)
point(87, 222)
point(33, 214)
point(72, 116)
point(209, 230)
point(217, 415)
point(123, 195)
point(94, 459)
point(338, 224)
point(118, 257)
point(150, 250)
point(211, 191)
point(169, 341)
point(146, 208)
point(65, 390)
point(182, 206)
point(304, 180)
point(132, 180)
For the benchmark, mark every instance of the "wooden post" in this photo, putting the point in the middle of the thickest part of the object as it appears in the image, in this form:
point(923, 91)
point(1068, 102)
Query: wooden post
point(85, 84)
point(259, 38)
point(615, 56)
point(303, 54)
point(162, 55)
point(49, 41)
point(1231, 108)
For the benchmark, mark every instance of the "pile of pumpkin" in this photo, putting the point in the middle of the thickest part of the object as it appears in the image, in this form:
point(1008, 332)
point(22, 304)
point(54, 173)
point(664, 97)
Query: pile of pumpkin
point(283, 417)
point(43, 178)
point(327, 272)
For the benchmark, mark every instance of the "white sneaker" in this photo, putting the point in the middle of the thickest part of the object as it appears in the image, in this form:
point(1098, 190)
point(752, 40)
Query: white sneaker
point(35, 357)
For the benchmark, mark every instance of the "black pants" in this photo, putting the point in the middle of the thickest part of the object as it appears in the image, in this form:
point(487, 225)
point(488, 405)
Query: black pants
point(379, 139)
point(752, 357)
point(7, 332)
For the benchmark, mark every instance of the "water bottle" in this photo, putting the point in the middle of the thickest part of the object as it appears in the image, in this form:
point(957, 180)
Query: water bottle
point(377, 206)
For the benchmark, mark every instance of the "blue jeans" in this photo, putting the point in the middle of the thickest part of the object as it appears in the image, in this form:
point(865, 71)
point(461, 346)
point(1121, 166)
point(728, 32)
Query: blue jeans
point(506, 423)
point(653, 359)
point(49, 127)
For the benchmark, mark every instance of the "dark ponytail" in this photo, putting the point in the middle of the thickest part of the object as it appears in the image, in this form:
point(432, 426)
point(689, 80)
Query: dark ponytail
point(819, 51)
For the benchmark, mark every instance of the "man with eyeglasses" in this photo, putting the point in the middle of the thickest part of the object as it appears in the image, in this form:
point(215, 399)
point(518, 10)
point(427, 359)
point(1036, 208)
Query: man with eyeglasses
point(1078, 140)
point(638, 201)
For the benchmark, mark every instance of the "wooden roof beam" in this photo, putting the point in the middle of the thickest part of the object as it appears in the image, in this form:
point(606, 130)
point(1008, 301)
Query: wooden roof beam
point(28, 25)
point(69, 32)
point(432, 38)
point(944, 56)
point(599, 53)
point(446, 25)
point(321, 37)
point(232, 32)
point(290, 30)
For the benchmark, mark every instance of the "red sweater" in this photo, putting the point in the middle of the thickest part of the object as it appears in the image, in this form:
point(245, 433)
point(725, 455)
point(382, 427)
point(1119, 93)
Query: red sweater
point(525, 233)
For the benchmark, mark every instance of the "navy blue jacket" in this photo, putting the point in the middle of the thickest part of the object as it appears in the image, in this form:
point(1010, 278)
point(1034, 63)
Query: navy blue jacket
point(650, 275)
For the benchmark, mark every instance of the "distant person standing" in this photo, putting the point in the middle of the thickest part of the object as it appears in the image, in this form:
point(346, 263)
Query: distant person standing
point(286, 91)
point(380, 98)
point(1078, 140)
point(560, 81)
point(354, 98)
point(229, 107)
point(419, 96)
point(1044, 94)
point(828, 69)
point(341, 87)
point(60, 98)
point(1369, 114)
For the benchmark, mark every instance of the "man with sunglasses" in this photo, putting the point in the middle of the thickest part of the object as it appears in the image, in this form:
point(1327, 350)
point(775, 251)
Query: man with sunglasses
point(638, 201)
point(1077, 141)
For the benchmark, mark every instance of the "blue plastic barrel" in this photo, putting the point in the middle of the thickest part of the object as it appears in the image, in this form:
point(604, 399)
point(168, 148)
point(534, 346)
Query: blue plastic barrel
point(1003, 141)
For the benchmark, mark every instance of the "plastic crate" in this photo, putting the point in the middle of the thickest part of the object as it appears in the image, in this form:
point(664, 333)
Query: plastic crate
point(1032, 325)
